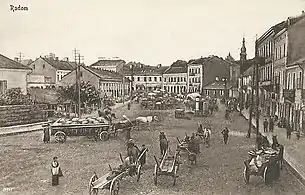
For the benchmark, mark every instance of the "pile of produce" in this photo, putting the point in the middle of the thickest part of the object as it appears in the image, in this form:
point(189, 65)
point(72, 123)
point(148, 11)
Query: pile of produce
point(89, 121)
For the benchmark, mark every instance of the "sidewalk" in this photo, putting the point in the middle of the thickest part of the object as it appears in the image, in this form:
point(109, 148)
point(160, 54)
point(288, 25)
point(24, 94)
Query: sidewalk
point(18, 129)
point(294, 153)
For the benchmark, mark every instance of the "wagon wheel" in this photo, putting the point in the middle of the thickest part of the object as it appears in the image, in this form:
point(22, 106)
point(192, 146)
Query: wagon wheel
point(156, 175)
point(175, 174)
point(267, 175)
point(139, 172)
point(246, 175)
point(115, 187)
point(277, 170)
point(104, 136)
point(60, 137)
point(93, 191)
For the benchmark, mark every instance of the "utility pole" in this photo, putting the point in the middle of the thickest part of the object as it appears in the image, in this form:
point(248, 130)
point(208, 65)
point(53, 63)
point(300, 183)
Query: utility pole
point(257, 62)
point(78, 59)
point(20, 55)
point(132, 81)
point(252, 102)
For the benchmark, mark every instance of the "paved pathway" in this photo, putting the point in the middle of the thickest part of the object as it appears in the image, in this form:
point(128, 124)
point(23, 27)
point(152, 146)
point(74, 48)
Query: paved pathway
point(294, 153)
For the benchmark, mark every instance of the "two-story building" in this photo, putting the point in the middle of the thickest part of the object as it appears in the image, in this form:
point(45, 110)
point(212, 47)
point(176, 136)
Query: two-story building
point(48, 71)
point(13, 75)
point(175, 78)
point(144, 77)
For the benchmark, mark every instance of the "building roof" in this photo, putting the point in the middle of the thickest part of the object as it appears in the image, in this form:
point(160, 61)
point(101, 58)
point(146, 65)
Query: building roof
point(245, 65)
point(108, 63)
point(7, 63)
point(249, 71)
point(105, 74)
point(179, 66)
point(140, 69)
point(26, 62)
point(59, 64)
point(215, 85)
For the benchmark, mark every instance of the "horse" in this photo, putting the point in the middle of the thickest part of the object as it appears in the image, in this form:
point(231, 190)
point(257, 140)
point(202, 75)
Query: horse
point(122, 125)
point(207, 136)
point(145, 120)
point(133, 151)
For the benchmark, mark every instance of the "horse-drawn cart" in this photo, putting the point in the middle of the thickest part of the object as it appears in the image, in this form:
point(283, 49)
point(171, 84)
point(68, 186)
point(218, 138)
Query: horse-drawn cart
point(266, 163)
point(98, 131)
point(111, 180)
point(184, 146)
point(169, 165)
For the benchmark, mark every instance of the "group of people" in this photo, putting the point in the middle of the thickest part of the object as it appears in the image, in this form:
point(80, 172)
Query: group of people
point(269, 124)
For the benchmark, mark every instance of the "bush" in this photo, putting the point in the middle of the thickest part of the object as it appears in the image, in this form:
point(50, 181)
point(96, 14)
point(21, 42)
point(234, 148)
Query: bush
point(14, 96)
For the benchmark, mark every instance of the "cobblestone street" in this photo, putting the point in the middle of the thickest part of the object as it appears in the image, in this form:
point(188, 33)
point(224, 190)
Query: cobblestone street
point(218, 171)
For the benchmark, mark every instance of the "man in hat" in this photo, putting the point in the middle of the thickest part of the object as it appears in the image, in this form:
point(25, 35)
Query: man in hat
point(225, 134)
point(265, 125)
point(46, 133)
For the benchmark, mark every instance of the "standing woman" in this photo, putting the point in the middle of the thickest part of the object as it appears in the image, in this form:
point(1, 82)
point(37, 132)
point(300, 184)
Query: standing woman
point(56, 172)
point(46, 133)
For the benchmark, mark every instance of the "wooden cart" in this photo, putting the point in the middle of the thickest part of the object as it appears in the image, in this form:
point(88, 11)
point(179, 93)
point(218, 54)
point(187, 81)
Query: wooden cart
point(184, 146)
point(270, 170)
point(98, 131)
point(169, 166)
point(111, 180)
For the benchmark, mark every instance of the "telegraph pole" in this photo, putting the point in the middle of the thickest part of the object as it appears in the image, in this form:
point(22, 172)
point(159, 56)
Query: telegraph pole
point(132, 79)
point(252, 102)
point(20, 55)
point(78, 59)
point(257, 61)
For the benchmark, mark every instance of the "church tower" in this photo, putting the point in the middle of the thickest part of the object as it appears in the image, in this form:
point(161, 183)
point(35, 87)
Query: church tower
point(243, 51)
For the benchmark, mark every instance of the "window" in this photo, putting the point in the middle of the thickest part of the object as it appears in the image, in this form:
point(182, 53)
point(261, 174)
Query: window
point(145, 79)
point(284, 49)
point(160, 79)
point(178, 79)
point(288, 83)
point(43, 66)
point(3, 86)
point(58, 77)
point(293, 81)
point(138, 79)
point(164, 79)
point(149, 78)
point(155, 78)
point(198, 70)
point(33, 66)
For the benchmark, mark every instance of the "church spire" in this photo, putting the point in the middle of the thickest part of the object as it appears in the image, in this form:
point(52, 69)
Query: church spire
point(243, 51)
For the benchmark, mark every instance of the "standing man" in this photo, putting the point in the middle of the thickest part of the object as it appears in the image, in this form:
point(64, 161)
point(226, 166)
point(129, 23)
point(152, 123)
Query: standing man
point(129, 105)
point(163, 143)
point(225, 134)
point(265, 125)
point(143, 158)
point(289, 130)
point(271, 124)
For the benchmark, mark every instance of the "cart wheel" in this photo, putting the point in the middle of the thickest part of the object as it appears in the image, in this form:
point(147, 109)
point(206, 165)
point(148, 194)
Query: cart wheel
point(104, 136)
point(267, 176)
point(60, 137)
point(114, 187)
point(139, 172)
point(93, 191)
point(246, 175)
point(277, 170)
point(175, 174)
point(156, 175)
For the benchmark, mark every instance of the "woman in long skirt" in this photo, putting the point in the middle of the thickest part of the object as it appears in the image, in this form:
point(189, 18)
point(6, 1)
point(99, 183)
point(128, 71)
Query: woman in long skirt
point(56, 172)
point(46, 134)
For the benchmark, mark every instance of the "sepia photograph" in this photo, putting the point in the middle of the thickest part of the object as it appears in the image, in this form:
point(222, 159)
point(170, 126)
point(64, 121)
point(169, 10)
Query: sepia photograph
point(152, 97)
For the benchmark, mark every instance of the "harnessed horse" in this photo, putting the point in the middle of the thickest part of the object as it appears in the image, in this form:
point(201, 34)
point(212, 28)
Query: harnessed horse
point(145, 120)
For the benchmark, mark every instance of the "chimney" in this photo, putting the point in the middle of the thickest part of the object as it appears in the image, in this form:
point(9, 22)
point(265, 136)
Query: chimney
point(16, 59)
point(66, 59)
point(56, 58)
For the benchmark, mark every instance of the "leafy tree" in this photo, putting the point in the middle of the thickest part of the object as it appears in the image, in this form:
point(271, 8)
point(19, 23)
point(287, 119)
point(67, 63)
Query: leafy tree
point(88, 93)
point(14, 96)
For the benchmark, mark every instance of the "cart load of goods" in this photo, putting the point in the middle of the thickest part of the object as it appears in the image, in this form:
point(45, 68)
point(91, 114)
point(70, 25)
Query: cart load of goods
point(261, 157)
point(85, 121)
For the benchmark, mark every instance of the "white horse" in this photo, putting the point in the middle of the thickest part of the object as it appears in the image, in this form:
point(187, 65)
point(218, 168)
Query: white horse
point(207, 136)
point(145, 120)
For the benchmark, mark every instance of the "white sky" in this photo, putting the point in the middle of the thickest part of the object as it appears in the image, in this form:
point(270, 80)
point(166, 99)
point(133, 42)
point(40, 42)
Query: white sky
point(149, 31)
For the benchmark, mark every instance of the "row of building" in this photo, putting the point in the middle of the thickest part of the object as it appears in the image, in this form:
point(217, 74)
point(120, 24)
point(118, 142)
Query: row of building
point(281, 71)
point(115, 77)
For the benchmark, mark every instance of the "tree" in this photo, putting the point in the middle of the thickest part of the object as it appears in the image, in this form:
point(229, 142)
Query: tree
point(88, 94)
point(14, 96)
